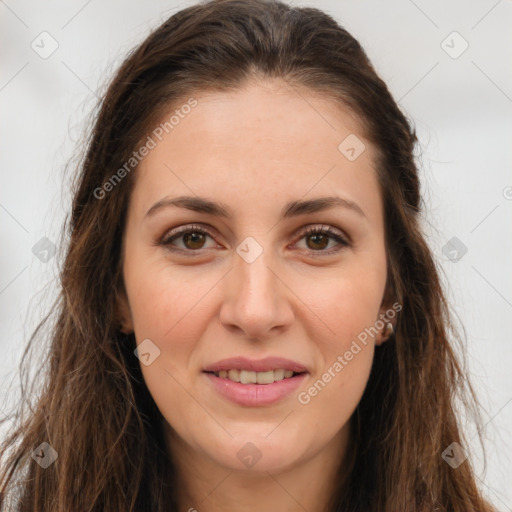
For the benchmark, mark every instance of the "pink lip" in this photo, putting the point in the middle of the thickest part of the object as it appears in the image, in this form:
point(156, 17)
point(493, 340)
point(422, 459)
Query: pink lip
point(254, 395)
point(262, 365)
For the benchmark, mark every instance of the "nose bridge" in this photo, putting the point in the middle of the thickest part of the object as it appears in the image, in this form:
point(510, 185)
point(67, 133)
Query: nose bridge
point(255, 302)
point(255, 282)
point(254, 275)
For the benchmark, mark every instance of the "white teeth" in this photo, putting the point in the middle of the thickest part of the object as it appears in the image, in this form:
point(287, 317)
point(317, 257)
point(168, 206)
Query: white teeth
point(234, 375)
point(247, 377)
point(279, 374)
point(251, 377)
point(265, 377)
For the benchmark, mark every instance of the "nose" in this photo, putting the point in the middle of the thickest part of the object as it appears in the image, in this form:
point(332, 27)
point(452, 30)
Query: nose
point(257, 303)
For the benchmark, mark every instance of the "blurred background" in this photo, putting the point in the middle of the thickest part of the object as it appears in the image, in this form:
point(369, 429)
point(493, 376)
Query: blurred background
point(449, 66)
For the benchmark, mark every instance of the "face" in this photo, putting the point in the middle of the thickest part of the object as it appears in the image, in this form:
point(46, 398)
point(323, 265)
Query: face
point(253, 284)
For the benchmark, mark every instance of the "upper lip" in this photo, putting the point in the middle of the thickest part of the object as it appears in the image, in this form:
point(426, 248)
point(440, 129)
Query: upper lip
point(261, 365)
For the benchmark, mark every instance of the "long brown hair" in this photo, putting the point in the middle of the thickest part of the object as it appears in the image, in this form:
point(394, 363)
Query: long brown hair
point(91, 403)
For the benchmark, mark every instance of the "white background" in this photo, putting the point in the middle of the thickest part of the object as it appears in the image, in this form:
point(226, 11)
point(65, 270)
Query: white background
point(462, 108)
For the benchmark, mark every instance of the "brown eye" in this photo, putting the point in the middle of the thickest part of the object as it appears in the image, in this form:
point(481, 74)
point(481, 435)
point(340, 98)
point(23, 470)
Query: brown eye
point(188, 239)
point(318, 241)
point(193, 240)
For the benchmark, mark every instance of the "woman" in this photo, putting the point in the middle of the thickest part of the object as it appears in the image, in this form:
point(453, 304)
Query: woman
point(250, 316)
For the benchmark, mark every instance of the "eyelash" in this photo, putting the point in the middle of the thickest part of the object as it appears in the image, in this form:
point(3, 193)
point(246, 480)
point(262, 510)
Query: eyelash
point(322, 229)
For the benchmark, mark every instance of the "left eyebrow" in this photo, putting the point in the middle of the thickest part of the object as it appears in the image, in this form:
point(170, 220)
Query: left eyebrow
point(295, 208)
point(291, 209)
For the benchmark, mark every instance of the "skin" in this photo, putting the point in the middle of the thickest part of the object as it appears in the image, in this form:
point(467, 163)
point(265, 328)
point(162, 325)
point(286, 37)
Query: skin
point(254, 150)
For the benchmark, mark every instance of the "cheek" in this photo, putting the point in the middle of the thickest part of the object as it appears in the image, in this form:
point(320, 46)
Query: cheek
point(348, 304)
point(172, 307)
point(174, 314)
point(333, 393)
point(167, 302)
point(347, 301)
point(333, 396)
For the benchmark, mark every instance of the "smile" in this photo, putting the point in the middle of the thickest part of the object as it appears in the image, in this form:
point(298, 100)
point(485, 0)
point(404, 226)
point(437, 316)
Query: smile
point(252, 377)
point(255, 389)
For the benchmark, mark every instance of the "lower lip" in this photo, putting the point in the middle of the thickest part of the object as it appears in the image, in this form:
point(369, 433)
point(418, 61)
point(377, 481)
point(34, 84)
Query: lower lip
point(254, 395)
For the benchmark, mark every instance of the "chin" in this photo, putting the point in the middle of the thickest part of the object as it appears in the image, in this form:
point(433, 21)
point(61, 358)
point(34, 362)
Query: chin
point(258, 454)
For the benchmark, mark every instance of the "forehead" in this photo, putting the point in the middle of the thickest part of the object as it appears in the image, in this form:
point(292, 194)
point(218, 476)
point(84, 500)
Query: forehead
point(266, 142)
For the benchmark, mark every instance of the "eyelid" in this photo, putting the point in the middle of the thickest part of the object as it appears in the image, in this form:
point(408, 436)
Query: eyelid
point(334, 233)
point(323, 228)
point(181, 230)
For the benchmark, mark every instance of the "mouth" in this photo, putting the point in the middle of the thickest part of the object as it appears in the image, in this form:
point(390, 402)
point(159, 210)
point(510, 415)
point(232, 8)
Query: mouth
point(255, 389)
point(254, 383)
point(253, 377)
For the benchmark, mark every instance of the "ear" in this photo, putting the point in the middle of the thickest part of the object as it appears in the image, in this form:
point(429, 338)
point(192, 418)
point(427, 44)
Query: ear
point(123, 312)
point(387, 319)
point(387, 331)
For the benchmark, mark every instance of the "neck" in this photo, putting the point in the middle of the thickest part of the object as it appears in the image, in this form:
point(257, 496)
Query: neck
point(307, 485)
